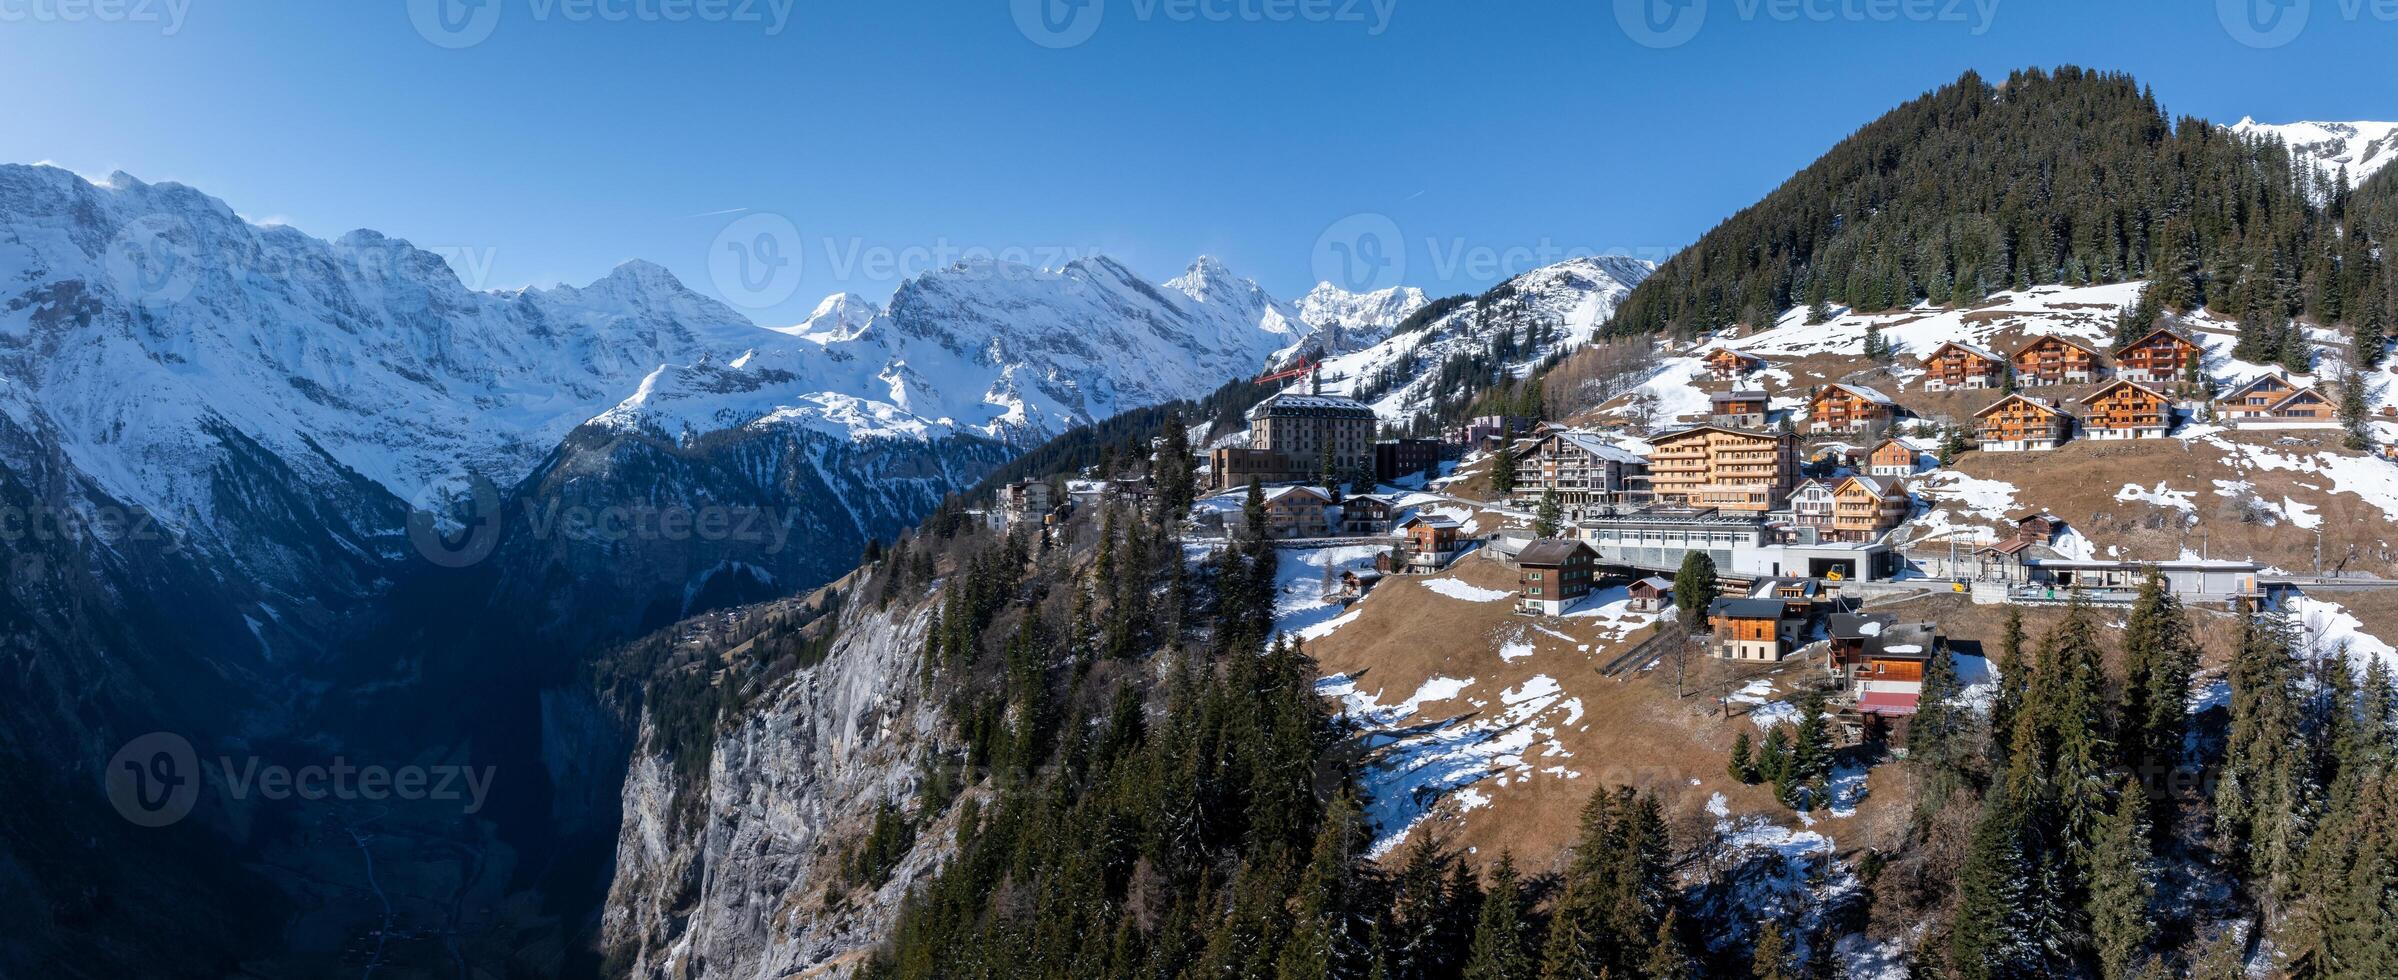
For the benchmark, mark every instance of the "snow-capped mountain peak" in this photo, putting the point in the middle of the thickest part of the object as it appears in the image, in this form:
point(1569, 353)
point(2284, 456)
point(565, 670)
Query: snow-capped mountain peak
point(2361, 148)
point(1345, 321)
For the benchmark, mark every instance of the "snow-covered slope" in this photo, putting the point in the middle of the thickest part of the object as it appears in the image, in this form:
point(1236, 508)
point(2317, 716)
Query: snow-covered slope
point(2361, 148)
point(149, 328)
point(1526, 319)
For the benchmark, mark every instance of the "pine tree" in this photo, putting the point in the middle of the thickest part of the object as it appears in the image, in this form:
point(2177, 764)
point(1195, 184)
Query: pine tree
point(1327, 934)
point(2356, 411)
point(2123, 888)
point(1502, 950)
point(1550, 517)
point(1502, 470)
point(2160, 654)
point(1695, 587)
point(1668, 960)
point(2014, 679)
point(1772, 958)
point(2071, 710)
point(2264, 797)
point(1177, 487)
point(1819, 311)
point(1991, 937)
point(1743, 767)
point(2371, 342)
point(1939, 737)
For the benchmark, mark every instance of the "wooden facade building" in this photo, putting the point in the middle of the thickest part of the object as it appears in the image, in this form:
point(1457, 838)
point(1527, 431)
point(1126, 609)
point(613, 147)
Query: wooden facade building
point(1957, 366)
point(1849, 408)
point(2056, 360)
point(2127, 409)
point(2162, 357)
point(2021, 423)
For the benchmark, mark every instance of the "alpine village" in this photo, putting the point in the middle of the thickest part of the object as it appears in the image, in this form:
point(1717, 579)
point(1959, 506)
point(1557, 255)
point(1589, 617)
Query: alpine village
point(1973, 560)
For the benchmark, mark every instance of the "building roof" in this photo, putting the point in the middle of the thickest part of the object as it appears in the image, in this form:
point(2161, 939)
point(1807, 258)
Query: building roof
point(1288, 403)
point(1746, 395)
point(2042, 404)
point(1278, 493)
point(1743, 355)
point(1905, 641)
point(1856, 626)
point(1657, 582)
point(2160, 331)
point(2120, 382)
point(1967, 348)
point(1551, 552)
point(1598, 446)
point(1429, 520)
point(1693, 429)
point(1872, 485)
point(1748, 608)
point(2254, 382)
point(2059, 338)
point(1865, 393)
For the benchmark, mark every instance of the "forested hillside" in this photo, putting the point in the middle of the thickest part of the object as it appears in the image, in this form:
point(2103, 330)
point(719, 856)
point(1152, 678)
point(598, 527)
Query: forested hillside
point(2068, 177)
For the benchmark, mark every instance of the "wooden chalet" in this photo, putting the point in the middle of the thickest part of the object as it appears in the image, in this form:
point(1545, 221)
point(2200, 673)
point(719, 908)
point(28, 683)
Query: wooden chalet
point(1367, 514)
point(1428, 543)
point(1849, 408)
point(1650, 594)
point(1552, 574)
point(1894, 457)
point(1741, 409)
point(1958, 366)
point(1296, 512)
point(2127, 409)
point(2274, 399)
point(1752, 630)
point(1726, 364)
point(2161, 357)
point(2256, 398)
point(2053, 360)
point(1866, 507)
point(2021, 423)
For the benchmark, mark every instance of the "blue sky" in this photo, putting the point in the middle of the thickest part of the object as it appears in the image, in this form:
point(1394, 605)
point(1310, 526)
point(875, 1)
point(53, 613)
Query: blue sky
point(552, 139)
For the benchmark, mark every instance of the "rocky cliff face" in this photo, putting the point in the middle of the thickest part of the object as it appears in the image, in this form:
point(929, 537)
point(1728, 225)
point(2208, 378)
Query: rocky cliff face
point(736, 873)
